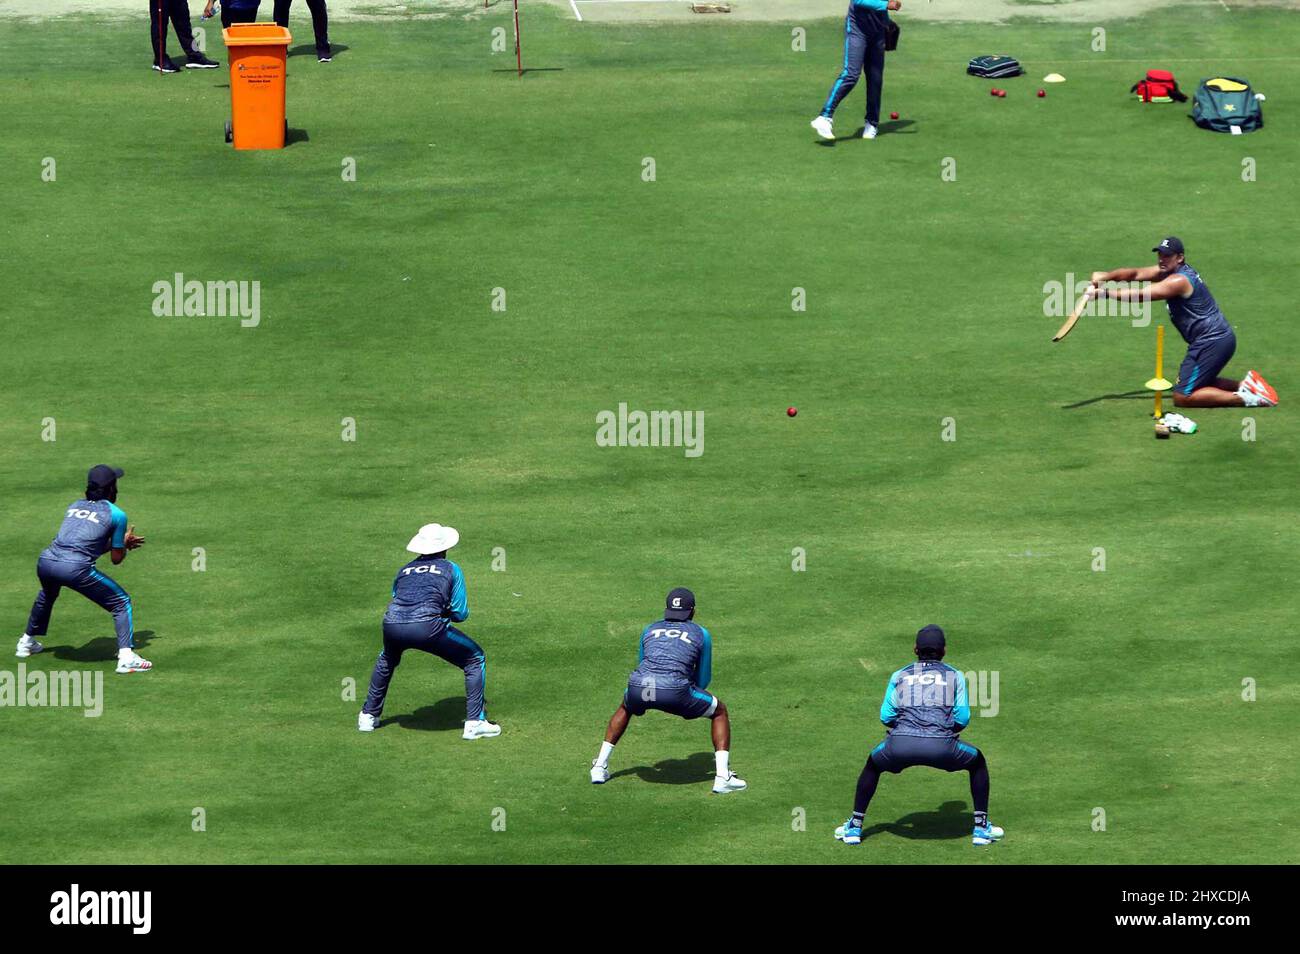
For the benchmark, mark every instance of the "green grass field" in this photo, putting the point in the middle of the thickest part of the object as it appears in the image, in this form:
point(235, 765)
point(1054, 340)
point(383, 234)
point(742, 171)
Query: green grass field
point(1119, 690)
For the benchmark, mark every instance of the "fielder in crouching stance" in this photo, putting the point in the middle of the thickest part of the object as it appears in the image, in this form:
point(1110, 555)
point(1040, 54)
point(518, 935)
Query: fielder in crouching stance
point(92, 526)
point(429, 595)
point(673, 670)
point(864, 44)
point(1194, 312)
point(925, 709)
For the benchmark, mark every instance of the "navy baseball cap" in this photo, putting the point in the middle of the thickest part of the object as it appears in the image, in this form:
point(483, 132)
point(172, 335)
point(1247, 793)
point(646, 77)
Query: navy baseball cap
point(101, 475)
point(931, 638)
point(680, 604)
point(1172, 245)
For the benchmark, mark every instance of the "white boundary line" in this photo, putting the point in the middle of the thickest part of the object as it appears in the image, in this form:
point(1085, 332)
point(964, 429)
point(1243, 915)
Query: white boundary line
point(574, 5)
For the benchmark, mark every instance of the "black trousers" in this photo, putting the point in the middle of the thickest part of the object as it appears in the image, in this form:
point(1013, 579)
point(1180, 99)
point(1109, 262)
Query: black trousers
point(320, 21)
point(237, 16)
point(864, 51)
point(178, 11)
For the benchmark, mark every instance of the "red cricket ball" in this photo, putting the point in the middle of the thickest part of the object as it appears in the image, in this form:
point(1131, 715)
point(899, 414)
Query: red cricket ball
point(993, 91)
point(1042, 93)
point(1002, 94)
point(893, 115)
point(792, 411)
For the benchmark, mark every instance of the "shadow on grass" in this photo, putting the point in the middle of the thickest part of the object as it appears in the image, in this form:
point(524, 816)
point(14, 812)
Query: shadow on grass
point(99, 649)
point(442, 716)
point(691, 770)
point(949, 820)
point(1126, 396)
point(885, 129)
point(309, 49)
point(534, 69)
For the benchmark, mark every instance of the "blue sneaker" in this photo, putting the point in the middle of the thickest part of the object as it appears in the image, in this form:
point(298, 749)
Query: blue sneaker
point(849, 833)
point(986, 835)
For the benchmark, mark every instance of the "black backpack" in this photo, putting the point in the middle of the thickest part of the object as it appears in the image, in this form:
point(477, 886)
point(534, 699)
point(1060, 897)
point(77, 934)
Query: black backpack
point(994, 66)
point(1226, 104)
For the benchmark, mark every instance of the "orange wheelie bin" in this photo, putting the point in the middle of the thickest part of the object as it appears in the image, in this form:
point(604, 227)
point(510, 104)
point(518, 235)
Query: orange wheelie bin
point(257, 53)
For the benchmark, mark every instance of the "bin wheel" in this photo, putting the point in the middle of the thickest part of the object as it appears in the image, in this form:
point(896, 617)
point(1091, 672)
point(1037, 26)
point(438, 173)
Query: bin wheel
point(230, 132)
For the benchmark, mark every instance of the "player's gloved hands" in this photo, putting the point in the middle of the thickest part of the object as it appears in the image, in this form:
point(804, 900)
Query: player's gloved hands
point(1098, 278)
point(132, 541)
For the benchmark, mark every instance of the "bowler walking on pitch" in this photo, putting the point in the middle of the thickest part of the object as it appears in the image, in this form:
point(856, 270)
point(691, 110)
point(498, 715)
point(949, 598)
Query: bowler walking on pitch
point(924, 711)
point(429, 595)
point(92, 526)
point(865, 31)
point(673, 670)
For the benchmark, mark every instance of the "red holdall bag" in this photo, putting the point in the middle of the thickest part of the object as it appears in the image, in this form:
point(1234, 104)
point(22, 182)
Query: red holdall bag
point(1158, 86)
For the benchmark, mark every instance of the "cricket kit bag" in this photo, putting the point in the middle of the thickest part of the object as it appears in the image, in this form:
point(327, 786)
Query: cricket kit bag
point(994, 66)
point(1158, 86)
point(1226, 104)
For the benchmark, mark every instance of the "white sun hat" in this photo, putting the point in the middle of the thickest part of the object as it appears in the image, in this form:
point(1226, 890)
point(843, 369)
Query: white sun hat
point(433, 538)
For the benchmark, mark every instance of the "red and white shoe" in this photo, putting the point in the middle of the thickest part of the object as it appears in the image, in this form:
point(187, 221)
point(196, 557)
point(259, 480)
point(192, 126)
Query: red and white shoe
point(1253, 382)
point(129, 662)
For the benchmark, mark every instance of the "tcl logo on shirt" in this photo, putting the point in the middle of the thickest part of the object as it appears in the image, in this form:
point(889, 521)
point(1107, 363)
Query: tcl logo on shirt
point(427, 568)
point(925, 679)
point(681, 634)
point(83, 514)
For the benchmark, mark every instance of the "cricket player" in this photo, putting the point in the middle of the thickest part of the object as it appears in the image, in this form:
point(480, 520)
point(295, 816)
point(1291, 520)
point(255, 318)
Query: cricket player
point(673, 670)
point(1196, 315)
point(429, 595)
point(864, 43)
point(92, 526)
point(924, 711)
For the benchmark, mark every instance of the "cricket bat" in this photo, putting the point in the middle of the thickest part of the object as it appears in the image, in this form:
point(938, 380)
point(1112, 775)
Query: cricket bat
point(1074, 316)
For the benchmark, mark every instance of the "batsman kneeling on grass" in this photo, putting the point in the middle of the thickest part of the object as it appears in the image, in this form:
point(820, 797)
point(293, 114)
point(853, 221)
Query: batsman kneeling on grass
point(1194, 312)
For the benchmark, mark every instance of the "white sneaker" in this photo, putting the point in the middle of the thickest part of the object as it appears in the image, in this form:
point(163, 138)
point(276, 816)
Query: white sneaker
point(599, 773)
point(133, 663)
point(869, 131)
point(822, 125)
point(1253, 398)
point(480, 729)
point(27, 647)
point(367, 722)
point(731, 783)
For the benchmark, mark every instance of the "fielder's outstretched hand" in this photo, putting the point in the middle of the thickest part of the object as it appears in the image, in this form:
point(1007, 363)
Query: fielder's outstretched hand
point(132, 541)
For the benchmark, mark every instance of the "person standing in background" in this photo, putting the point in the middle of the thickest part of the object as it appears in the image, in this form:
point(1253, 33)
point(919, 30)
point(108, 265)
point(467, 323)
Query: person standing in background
point(865, 31)
point(178, 11)
point(320, 24)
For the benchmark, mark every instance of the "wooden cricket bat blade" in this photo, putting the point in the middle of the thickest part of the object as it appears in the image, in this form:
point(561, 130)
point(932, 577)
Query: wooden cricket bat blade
point(1074, 316)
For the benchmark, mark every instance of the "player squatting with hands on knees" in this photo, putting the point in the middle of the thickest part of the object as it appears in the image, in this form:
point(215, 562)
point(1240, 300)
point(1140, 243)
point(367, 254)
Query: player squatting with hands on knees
point(924, 711)
point(1211, 341)
point(92, 526)
point(428, 596)
point(674, 668)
